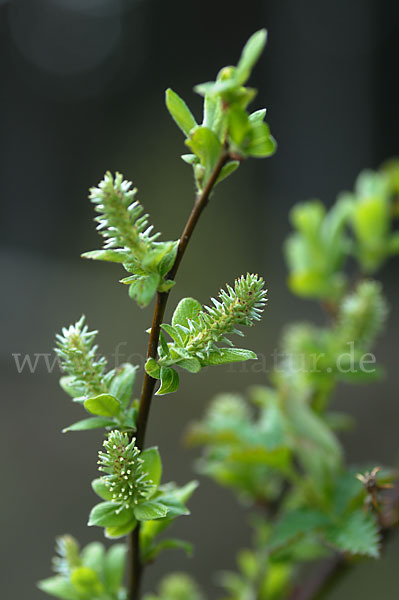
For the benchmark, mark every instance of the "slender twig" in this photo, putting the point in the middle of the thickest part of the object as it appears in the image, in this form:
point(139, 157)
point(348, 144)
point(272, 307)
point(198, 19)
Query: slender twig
point(136, 567)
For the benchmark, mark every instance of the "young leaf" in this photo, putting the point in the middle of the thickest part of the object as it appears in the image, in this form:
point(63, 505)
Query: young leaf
point(86, 582)
point(192, 365)
point(147, 511)
point(108, 514)
point(59, 587)
point(188, 308)
point(169, 381)
point(143, 288)
point(101, 489)
point(152, 368)
point(250, 55)
point(91, 423)
point(167, 544)
point(103, 405)
point(205, 144)
point(228, 170)
point(180, 112)
point(152, 465)
point(228, 355)
point(122, 384)
point(114, 567)
point(119, 531)
point(117, 255)
point(92, 556)
point(358, 534)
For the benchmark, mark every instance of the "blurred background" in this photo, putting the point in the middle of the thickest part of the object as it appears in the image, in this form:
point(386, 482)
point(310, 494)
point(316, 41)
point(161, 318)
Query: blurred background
point(82, 92)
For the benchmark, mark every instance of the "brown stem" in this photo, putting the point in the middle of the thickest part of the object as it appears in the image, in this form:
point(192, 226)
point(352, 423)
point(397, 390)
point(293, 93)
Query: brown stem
point(136, 567)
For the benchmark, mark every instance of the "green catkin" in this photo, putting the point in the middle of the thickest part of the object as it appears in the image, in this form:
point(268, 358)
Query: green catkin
point(123, 466)
point(77, 352)
point(241, 305)
point(121, 221)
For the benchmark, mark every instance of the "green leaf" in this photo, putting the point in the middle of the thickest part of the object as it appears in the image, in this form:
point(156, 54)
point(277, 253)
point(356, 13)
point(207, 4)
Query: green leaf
point(71, 387)
point(180, 112)
point(167, 544)
point(101, 489)
point(114, 567)
point(262, 143)
point(152, 368)
point(295, 524)
point(147, 511)
point(120, 530)
point(206, 145)
point(59, 587)
point(357, 534)
point(108, 514)
point(238, 124)
point(187, 309)
point(228, 170)
point(118, 255)
point(169, 381)
point(91, 423)
point(174, 333)
point(152, 464)
point(104, 405)
point(192, 365)
point(122, 384)
point(92, 556)
point(228, 355)
point(257, 116)
point(250, 55)
point(86, 582)
point(142, 290)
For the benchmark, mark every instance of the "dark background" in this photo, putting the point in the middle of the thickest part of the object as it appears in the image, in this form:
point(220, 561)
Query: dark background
point(82, 92)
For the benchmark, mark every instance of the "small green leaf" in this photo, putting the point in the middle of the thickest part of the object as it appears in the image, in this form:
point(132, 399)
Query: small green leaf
point(169, 381)
point(167, 544)
point(109, 514)
point(71, 387)
point(238, 124)
point(119, 531)
point(143, 289)
point(152, 368)
point(295, 524)
point(257, 116)
point(166, 285)
point(187, 309)
point(228, 355)
point(250, 55)
point(190, 159)
point(228, 170)
point(114, 567)
point(357, 534)
point(91, 423)
point(86, 582)
point(174, 333)
point(206, 145)
point(152, 465)
point(92, 556)
point(180, 112)
point(103, 405)
point(262, 143)
point(101, 489)
point(192, 365)
point(147, 511)
point(118, 255)
point(59, 587)
point(122, 384)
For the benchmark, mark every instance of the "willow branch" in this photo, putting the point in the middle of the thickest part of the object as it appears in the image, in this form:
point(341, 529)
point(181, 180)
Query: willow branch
point(147, 391)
